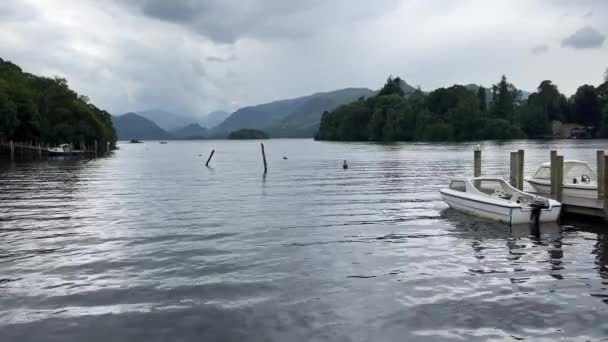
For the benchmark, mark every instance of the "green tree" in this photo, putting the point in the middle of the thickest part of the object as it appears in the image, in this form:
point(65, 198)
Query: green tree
point(391, 87)
point(8, 115)
point(47, 110)
point(549, 97)
point(587, 106)
point(505, 98)
point(534, 118)
point(483, 98)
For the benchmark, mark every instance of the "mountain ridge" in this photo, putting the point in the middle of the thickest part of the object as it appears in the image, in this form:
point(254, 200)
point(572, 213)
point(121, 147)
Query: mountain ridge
point(133, 126)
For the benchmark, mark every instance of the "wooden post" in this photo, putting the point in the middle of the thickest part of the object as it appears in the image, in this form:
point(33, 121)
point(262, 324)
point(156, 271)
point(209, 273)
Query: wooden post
point(477, 164)
point(39, 151)
point(264, 156)
point(211, 156)
point(605, 181)
point(600, 174)
point(553, 174)
point(107, 147)
point(12, 147)
point(513, 168)
point(520, 169)
point(95, 148)
point(559, 161)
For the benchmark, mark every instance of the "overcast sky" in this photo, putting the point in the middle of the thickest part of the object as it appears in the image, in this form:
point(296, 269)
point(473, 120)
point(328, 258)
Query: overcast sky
point(195, 56)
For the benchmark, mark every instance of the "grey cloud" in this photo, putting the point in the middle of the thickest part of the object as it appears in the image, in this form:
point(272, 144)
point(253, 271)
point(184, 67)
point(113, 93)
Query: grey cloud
point(588, 15)
point(584, 38)
point(226, 21)
point(540, 49)
point(14, 10)
point(216, 59)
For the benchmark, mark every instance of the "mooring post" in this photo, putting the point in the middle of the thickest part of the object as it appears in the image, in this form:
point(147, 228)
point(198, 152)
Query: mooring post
point(107, 147)
point(211, 156)
point(477, 163)
point(513, 169)
point(12, 147)
point(39, 151)
point(553, 174)
point(559, 160)
point(520, 169)
point(600, 174)
point(605, 192)
point(264, 157)
point(95, 148)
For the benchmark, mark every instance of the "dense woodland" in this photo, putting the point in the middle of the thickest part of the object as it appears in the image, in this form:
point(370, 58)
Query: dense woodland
point(247, 133)
point(47, 111)
point(461, 113)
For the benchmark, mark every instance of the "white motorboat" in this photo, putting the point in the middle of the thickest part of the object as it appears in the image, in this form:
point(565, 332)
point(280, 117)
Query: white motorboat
point(579, 180)
point(495, 199)
point(63, 150)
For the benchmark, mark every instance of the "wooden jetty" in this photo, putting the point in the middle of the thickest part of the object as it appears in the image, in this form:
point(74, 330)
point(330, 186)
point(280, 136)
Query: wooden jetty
point(32, 150)
point(593, 207)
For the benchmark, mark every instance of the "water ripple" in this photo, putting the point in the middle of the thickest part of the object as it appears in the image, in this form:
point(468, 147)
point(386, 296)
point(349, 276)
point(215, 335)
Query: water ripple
point(149, 245)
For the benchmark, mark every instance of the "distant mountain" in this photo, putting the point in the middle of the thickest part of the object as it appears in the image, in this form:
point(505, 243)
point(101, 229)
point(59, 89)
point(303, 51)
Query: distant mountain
point(298, 117)
point(192, 131)
point(133, 126)
point(407, 89)
point(167, 120)
point(213, 119)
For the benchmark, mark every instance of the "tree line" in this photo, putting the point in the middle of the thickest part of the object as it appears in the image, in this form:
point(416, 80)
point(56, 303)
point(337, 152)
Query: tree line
point(46, 110)
point(460, 113)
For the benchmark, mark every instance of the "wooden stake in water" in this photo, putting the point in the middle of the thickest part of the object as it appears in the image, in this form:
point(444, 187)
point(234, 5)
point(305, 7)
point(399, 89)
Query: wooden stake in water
point(600, 174)
point(559, 161)
point(513, 169)
point(264, 157)
point(209, 159)
point(553, 174)
point(477, 163)
point(605, 177)
point(95, 148)
point(12, 147)
point(520, 169)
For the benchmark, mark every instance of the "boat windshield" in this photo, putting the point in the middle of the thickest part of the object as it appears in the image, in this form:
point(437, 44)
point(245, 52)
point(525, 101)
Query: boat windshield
point(490, 186)
point(543, 173)
point(578, 171)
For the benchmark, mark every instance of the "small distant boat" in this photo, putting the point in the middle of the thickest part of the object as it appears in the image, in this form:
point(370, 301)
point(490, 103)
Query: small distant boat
point(63, 150)
point(163, 142)
point(135, 141)
point(495, 199)
point(579, 180)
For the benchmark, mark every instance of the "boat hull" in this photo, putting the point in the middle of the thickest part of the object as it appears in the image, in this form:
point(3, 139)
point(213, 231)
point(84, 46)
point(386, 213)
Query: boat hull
point(497, 212)
point(64, 154)
point(569, 190)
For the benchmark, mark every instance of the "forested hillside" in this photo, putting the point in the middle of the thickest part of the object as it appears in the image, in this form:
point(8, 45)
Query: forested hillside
point(457, 113)
point(46, 110)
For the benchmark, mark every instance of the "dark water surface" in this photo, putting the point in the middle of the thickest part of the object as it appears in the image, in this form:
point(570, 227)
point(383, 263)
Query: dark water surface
point(149, 245)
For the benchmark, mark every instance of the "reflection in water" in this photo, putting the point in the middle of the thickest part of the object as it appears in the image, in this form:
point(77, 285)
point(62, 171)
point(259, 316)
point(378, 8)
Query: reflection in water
point(601, 255)
point(148, 245)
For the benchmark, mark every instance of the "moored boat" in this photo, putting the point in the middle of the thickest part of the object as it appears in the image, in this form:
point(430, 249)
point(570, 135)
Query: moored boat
point(494, 198)
point(63, 150)
point(579, 180)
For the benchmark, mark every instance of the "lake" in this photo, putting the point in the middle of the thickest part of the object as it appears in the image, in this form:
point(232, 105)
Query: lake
point(150, 245)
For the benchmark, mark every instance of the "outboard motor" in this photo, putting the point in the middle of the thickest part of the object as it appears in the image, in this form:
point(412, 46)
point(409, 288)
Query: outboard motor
point(537, 204)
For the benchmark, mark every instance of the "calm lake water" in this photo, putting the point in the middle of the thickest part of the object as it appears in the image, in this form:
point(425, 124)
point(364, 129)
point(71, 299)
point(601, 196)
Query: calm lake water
point(150, 245)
